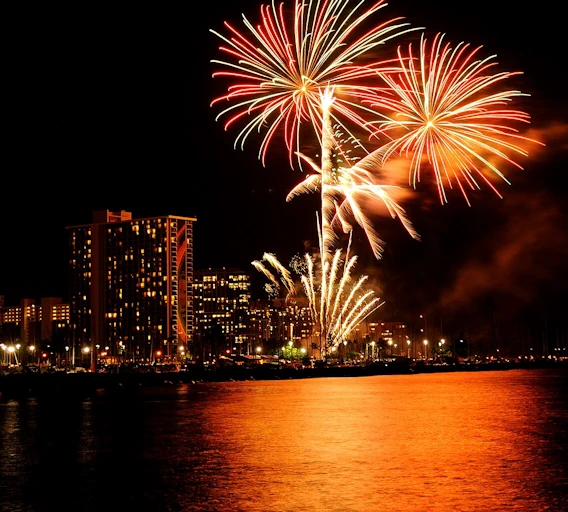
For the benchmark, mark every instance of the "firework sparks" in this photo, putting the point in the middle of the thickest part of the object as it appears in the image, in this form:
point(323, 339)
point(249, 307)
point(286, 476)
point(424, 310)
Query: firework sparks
point(338, 304)
point(278, 70)
point(349, 189)
point(447, 113)
point(285, 281)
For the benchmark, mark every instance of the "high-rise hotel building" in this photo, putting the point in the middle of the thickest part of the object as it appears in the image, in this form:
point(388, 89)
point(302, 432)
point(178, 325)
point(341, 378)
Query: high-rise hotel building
point(131, 285)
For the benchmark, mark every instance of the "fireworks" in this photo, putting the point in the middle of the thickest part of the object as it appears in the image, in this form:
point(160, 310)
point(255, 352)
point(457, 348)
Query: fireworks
point(316, 74)
point(285, 281)
point(279, 70)
point(337, 309)
point(447, 112)
point(337, 303)
point(349, 188)
point(288, 77)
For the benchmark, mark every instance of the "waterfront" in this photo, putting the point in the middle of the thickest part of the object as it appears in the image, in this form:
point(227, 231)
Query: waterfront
point(49, 380)
point(461, 441)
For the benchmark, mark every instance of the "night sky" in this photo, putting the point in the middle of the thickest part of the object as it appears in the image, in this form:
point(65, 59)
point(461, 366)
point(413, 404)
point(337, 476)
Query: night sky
point(108, 108)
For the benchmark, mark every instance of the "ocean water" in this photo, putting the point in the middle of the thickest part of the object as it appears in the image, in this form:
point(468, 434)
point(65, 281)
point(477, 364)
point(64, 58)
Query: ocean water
point(473, 441)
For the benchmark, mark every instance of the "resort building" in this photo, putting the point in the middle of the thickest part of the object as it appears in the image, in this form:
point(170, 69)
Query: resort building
point(131, 286)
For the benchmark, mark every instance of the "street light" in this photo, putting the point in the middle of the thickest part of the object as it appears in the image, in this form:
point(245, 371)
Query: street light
point(408, 353)
point(86, 350)
point(12, 350)
point(31, 349)
point(425, 349)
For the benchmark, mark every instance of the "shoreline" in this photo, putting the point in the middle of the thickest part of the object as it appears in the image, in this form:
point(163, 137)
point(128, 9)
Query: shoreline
point(37, 384)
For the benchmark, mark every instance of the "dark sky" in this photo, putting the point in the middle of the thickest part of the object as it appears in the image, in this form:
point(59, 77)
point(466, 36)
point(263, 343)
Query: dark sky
point(108, 108)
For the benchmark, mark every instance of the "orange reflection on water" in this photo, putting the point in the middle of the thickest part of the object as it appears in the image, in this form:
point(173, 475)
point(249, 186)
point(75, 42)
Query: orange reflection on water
point(461, 441)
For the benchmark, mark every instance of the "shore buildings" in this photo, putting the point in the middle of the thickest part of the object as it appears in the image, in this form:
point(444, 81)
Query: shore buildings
point(134, 296)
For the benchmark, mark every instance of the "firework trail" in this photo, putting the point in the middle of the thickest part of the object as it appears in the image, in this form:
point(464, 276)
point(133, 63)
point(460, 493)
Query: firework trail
point(445, 111)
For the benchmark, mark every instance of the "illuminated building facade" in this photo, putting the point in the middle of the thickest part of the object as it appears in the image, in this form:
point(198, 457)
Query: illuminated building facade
point(275, 323)
point(222, 298)
point(23, 323)
point(10, 323)
point(395, 334)
point(131, 285)
point(37, 328)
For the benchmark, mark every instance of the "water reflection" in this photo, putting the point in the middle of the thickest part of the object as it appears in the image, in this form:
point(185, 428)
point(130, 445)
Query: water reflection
point(466, 442)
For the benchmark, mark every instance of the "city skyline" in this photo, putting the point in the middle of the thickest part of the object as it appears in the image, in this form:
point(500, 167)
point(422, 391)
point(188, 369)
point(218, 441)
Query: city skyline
point(123, 122)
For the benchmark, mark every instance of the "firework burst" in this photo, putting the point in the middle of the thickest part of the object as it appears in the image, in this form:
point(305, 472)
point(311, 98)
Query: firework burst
point(447, 111)
point(279, 70)
point(346, 193)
